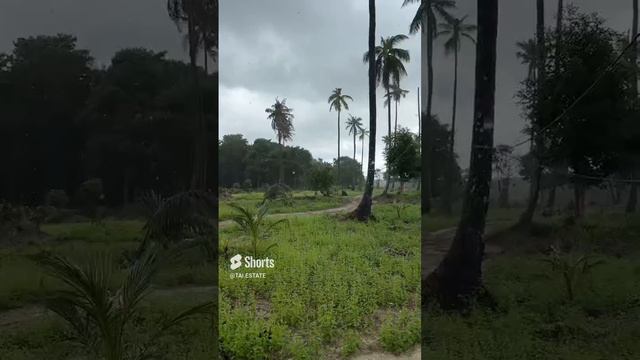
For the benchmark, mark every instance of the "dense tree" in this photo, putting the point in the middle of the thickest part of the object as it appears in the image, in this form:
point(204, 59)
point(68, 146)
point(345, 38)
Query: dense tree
point(321, 178)
point(350, 174)
point(403, 155)
point(459, 276)
point(232, 166)
point(338, 101)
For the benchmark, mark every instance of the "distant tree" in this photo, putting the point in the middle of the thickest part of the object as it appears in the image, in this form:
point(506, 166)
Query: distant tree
point(362, 135)
point(281, 117)
point(396, 94)
point(403, 156)
point(338, 102)
point(321, 178)
point(389, 70)
point(232, 164)
point(354, 125)
point(503, 168)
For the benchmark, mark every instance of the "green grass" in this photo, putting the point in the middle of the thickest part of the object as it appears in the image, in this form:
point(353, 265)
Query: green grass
point(535, 319)
point(24, 283)
point(331, 278)
point(302, 201)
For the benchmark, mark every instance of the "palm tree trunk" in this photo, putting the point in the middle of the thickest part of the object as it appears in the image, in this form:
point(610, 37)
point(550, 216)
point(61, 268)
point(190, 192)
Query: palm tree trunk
point(354, 146)
point(198, 176)
point(633, 194)
point(459, 275)
point(281, 172)
point(448, 194)
point(395, 127)
point(363, 211)
point(338, 160)
point(362, 155)
point(386, 187)
point(426, 116)
point(534, 191)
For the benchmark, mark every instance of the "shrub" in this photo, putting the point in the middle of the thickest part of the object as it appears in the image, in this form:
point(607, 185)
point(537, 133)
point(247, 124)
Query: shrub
point(278, 192)
point(57, 198)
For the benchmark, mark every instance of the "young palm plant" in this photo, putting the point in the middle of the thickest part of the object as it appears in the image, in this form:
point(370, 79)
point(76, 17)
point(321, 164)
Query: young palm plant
point(253, 224)
point(101, 318)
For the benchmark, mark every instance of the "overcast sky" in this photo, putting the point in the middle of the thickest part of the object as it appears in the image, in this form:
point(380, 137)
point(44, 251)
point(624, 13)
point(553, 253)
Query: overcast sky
point(301, 50)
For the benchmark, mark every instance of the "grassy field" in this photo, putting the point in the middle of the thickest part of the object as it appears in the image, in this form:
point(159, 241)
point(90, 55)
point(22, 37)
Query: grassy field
point(338, 287)
point(25, 284)
point(302, 201)
point(535, 318)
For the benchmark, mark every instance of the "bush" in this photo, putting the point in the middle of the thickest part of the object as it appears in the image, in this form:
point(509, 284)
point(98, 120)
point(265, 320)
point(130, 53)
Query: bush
point(321, 179)
point(247, 185)
point(89, 194)
point(278, 192)
point(57, 198)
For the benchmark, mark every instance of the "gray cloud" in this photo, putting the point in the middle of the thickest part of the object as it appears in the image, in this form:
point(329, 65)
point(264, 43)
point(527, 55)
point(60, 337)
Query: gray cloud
point(301, 50)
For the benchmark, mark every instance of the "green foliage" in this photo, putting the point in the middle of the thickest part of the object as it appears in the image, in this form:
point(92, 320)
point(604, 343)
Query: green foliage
point(321, 178)
point(98, 320)
point(403, 154)
point(253, 224)
point(401, 333)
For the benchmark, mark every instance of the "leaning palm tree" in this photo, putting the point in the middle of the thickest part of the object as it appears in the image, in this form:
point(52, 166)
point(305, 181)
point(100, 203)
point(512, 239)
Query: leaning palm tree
point(338, 102)
point(362, 135)
point(425, 21)
point(396, 95)
point(363, 211)
point(281, 117)
point(389, 70)
point(354, 125)
point(456, 30)
point(101, 318)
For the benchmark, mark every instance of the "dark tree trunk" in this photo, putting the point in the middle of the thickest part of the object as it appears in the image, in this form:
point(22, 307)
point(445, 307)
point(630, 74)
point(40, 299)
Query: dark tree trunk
point(578, 197)
point(354, 146)
point(363, 211)
point(503, 196)
point(459, 275)
point(633, 194)
point(395, 126)
point(386, 187)
point(198, 176)
point(551, 200)
point(338, 161)
point(426, 145)
point(281, 171)
point(449, 170)
point(534, 191)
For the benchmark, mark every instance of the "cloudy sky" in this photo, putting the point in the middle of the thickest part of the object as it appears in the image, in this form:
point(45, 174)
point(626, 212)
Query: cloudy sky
point(301, 50)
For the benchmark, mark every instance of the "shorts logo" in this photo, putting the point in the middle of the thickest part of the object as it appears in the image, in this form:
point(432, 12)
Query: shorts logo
point(236, 262)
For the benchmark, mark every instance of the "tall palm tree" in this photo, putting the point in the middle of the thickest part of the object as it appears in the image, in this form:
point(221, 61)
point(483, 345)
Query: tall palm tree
point(459, 276)
point(188, 12)
point(456, 30)
point(338, 102)
point(527, 53)
point(389, 70)
point(425, 21)
point(362, 135)
point(363, 211)
point(534, 191)
point(354, 125)
point(633, 194)
point(281, 117)
point(396, 95)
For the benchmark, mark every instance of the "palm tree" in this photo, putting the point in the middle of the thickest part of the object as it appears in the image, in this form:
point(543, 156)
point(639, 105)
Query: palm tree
point(396, 95)
point(354, 125)
point(456, 30)
point(389, 70)
point(425, 20)
point(633, 194)
point(459, 276)
point(338, 101)
point(363, 134)
point(189, 12)
point(527, 53)
point(363, 211)
point(534, 191)
point(281, 117)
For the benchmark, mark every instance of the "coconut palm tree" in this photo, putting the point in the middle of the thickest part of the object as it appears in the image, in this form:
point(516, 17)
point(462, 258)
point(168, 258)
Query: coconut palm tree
point(354, 125)
point(527, 53)
point(189, 13)
point(363, 211)
point(425, 21)
point(458, 278)
point(389, 69)
point(362, 135)
point(456, 30)
point(633, 194)
point(338, 102)
point(396, 95)
point(281, 117)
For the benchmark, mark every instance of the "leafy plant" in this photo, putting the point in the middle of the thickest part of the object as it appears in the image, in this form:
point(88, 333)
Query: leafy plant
point(571, 267)
point(253, 223)
point(101, 318)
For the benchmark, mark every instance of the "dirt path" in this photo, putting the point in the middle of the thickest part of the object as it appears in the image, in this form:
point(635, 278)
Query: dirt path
point(342, 209)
